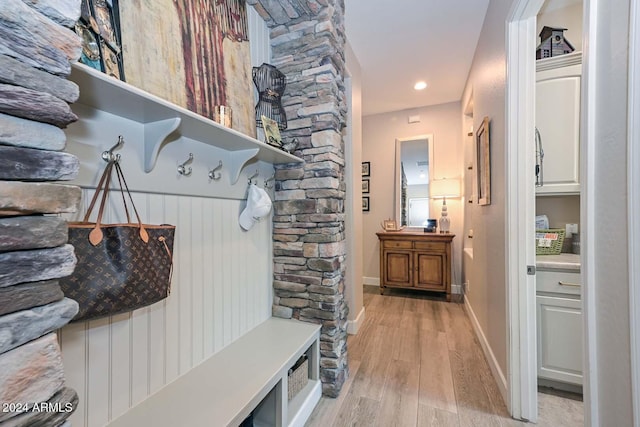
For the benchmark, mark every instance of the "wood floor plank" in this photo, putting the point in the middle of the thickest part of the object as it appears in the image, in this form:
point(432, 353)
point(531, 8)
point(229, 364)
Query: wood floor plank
point(433, 417)
point(436, 382)
point(369, 381)
point(326, 413)
point(432, 319)
point(409, 333)
point(357, 344)
point(357, 412)
point(399, 406)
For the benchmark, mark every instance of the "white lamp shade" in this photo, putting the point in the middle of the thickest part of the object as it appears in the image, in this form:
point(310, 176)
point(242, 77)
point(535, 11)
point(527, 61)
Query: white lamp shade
point(445, 187)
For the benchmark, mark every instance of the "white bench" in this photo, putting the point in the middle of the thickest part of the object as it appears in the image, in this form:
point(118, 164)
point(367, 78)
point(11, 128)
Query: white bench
point(248, 376)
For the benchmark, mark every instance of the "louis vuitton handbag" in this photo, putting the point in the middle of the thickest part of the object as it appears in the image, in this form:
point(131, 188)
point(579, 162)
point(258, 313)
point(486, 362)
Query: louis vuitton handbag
point(121, 267)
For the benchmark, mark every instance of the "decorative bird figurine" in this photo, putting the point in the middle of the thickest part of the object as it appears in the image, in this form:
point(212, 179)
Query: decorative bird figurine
point(291, 146)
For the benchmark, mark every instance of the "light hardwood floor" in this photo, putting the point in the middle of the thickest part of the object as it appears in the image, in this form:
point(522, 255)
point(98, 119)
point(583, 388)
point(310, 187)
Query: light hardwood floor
point(416, 362)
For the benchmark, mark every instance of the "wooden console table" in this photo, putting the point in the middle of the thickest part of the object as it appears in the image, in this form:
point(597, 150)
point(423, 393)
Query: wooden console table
point(415, 260)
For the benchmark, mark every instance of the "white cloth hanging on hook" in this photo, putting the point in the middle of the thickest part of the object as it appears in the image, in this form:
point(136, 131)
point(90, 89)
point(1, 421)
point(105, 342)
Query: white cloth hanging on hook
point(258, 206)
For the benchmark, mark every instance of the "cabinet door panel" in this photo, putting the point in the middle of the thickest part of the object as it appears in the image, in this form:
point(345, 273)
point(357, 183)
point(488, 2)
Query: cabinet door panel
point(559, 339)
point(398, 271)
point(558, 120)
point(430, 270)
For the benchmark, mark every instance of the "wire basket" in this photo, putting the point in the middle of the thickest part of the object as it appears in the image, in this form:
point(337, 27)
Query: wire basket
point(298, 377)
point(549, 241)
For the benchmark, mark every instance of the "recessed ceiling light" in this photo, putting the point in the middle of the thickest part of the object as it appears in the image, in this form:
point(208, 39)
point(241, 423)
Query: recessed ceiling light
point(420, 86)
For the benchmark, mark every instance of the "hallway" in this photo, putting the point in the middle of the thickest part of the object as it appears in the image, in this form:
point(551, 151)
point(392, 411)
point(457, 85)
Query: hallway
point(417, 362)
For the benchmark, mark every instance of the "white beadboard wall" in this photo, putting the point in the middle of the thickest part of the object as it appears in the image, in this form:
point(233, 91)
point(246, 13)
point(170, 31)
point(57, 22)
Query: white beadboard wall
point(221, 288)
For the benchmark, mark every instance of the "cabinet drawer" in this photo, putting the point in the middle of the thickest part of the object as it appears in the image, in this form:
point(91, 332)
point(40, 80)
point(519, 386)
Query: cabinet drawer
point(430, 246)
point(397, 244)
point(558, 282)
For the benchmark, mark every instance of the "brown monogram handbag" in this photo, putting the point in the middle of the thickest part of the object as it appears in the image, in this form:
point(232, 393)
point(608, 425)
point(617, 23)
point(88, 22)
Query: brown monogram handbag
point(121, 267)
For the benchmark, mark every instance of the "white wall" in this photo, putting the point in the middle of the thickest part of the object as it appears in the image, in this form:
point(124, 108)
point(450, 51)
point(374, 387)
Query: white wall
point(353, 203)
point(486, 83)
point(379, 133)
point(114, 363)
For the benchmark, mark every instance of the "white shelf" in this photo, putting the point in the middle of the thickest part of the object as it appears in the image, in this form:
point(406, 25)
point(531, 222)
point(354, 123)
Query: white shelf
point(224, 389)
point(163, 120)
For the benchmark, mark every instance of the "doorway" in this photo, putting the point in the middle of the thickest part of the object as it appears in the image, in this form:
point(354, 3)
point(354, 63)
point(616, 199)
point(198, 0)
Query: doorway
point(521, 259)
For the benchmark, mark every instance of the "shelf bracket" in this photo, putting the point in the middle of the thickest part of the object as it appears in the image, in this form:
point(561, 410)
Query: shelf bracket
point(155, 136)
point(237, 161)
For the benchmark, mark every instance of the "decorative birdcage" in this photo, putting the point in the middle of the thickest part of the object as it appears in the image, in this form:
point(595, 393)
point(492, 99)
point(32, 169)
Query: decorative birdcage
point(270, 83)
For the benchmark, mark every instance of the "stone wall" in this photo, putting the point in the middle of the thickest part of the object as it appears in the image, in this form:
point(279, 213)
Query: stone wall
point(307, 39)
point(36, 50)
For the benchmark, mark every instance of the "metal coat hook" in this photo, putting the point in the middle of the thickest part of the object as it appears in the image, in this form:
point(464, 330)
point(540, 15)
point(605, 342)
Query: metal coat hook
point(108, 155)
point(267, 182)
point(214, 173)
point(255, 175)
point(182, 169)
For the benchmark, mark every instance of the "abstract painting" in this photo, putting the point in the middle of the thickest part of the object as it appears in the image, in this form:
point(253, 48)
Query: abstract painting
point(193, 53)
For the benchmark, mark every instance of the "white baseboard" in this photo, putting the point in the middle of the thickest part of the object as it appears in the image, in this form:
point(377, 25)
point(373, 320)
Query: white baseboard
point(501, 380)
point(371, 281)
point(353, 326)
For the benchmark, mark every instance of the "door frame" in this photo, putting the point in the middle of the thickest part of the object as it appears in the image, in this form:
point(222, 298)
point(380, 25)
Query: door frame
point(521, 291)
point(633, 136)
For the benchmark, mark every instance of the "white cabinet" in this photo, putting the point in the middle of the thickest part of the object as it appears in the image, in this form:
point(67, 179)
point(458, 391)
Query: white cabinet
point(559, 331)
point(558, 122)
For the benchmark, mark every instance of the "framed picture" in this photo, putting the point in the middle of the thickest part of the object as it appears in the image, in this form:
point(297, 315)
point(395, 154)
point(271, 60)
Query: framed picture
point(366, 168)
point(389, 225)
point(365, 186)
point(365, 204)
point(483, 163)
point(271, 132)
point(99, 27)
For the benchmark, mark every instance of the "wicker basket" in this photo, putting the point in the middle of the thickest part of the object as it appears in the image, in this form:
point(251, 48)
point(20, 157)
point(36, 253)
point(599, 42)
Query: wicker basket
point(549, 242)
point(298, 377)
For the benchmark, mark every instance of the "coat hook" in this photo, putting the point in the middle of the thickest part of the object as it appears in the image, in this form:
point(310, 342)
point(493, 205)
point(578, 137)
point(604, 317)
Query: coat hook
point(108, 155)
point(267, 182)
point(214, 174)
point(255, 175)
point(182, 169)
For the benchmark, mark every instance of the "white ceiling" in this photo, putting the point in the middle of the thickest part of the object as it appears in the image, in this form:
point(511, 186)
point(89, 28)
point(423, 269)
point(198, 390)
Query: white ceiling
point(398, 43)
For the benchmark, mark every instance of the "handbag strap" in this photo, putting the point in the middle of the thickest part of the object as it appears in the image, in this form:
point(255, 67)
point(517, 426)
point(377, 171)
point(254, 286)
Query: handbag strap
point(96, 235)
point(105, 176)
point(143, 232)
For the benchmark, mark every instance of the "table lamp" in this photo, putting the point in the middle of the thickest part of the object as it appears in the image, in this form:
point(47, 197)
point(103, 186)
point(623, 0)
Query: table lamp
point(441, 189)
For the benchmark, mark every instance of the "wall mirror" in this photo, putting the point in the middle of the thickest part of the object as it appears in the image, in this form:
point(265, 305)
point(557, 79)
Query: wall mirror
point(414, 172)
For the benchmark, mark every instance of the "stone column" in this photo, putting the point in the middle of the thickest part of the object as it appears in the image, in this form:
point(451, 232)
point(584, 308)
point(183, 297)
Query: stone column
point(36, 50)
point(307, 39)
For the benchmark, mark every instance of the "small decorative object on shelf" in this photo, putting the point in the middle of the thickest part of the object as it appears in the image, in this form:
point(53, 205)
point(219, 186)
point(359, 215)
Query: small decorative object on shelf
point(99, 27)
point(222, 114)
point(290, 146)
point(270, 83)
point(271, 132)
point(553, 43)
